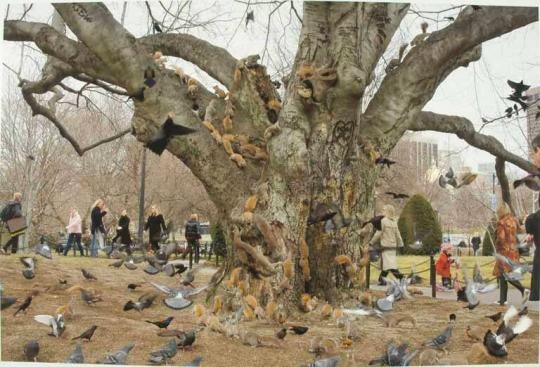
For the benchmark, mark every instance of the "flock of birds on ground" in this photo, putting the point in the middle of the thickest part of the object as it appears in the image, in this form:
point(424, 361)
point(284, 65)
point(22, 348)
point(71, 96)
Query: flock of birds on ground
point(244, 307)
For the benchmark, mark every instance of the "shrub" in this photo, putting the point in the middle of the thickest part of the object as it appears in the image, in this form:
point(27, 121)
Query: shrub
point(418, 217)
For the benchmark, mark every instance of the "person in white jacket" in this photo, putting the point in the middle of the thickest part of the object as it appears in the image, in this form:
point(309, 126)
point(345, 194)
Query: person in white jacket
point(74, 230)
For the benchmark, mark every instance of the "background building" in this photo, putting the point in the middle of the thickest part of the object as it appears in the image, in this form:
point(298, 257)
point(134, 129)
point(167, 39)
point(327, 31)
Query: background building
point(418, 154)
point(533, 124)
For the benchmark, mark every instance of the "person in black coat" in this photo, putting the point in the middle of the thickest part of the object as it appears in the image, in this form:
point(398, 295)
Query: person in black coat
point(154, 224)
point(14, 210)
point(532, 227)
point(192, 234)
point(97, 229)
point(122, 230)
point(476, 241)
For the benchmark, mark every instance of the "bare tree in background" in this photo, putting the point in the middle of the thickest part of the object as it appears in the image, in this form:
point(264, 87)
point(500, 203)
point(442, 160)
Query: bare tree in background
point(313, 147)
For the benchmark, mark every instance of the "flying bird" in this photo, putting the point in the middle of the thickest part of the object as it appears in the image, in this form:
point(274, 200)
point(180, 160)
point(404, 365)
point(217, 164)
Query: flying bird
point(531, 181)
point(384, 161)
point(87, 275)
point(87, 335)
point(157, 28)
point(466, 179)
point(495, 317)
point(76, 356)
point(517, 270)
point(397, 196)
point(24, 305)
point(518, 88)
point(30, 267)
point(188, 279)
point(44, 250)
point(145, 301)
point(250, 17)
point(162, 324)
point(57, 324)
point(375, 221)
point(173, 269)
point(178, 296)
point(510, 332)
point(448, 179)
point(31, 350)
point(118, 357)
point(165, 133)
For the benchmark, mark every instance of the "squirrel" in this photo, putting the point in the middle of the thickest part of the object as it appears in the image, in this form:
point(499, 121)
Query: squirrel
point(395, 319)
point(394, 63)
point(227, 123)
point(181, 75)
point(326, 311)
point(218, 305)
point(422, 36)
point(193, 87)
point(288, 268)
point(306, 272)
point(217, 136)
point(238, 159)
point(251, 301)
point(251, 203)
point(248, 314)
point(306, 71)
point(271, 308)
point(343, 260)
point(227, 146)
point(199, 311)
point(304, 249)
point(220, 92)
point(208, 125)
point(235, 275)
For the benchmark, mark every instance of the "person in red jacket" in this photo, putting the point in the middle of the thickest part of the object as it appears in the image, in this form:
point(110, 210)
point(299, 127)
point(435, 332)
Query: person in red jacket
point(442, 266)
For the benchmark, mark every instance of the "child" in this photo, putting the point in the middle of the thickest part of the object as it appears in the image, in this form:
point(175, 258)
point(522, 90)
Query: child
point(443, 263)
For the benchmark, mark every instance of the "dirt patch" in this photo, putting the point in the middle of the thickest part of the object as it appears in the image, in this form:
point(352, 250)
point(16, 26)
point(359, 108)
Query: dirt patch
point(117, 328)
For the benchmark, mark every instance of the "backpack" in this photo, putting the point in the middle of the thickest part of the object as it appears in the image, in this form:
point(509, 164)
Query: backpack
point(191, 231)
point(6, 213)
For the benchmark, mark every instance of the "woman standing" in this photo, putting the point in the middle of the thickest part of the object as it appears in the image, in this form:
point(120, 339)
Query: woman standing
point(122, 230)
point(13, 210)
point(97, 228)
point(390, 239)
point(74, 230)
point(154, 224)
point(505, 244)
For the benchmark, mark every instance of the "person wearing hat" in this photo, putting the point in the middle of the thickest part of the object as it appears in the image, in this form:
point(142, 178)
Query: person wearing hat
point(442, 266)
point(390, 239)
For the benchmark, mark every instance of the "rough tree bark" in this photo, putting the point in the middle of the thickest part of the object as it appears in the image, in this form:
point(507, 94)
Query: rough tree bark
point(302, 152)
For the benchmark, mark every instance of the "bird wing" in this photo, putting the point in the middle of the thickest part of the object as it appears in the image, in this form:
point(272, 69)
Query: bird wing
point(188, 292)
point(177, 303)
point(151, 270)
point(520, 87)
point(27, 262)
point(157, 145)
point(163, 288)
point(470, 292)
point(172, 129)
point(487, 288)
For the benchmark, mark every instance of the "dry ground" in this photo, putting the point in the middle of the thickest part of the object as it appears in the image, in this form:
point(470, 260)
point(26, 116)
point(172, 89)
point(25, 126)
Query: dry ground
point(116, 327)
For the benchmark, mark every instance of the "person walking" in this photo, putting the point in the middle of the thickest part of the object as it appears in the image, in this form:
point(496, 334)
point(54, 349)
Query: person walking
point(11, 211)
point(476, 241)
point(122, 230)
point(390, 240)
point(154, 225)
point(505, 244)
point(97, 229)
point(532, 227)
point(442, 266)
point(74, 230)
point(192, 234)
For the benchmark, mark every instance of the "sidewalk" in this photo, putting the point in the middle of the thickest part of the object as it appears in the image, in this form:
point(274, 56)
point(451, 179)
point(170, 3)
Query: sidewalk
point(514, 297)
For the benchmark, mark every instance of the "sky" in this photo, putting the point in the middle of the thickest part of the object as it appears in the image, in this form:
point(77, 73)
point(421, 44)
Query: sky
point(473, 92)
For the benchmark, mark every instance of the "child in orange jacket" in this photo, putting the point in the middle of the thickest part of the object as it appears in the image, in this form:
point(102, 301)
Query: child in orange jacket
point(442, 266)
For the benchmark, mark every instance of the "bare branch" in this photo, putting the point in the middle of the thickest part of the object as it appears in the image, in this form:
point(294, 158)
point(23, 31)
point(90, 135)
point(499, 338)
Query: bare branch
point(296, 12)
point(26, 10)
point(464, 129)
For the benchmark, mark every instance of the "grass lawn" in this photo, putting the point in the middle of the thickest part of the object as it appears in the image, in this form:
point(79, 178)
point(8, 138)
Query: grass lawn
point(421, 264)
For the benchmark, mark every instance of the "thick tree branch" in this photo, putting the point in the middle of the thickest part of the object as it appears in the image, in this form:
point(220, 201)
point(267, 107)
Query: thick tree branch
point(215, 61)
point(464, 129)
point(503, 181)
point(95, 27)
point(405, 90)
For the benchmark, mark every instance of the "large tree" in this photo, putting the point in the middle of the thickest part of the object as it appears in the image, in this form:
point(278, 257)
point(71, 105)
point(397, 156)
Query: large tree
point(302, 152)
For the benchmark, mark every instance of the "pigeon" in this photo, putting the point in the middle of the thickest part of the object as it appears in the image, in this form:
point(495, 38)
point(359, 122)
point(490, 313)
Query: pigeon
point(517, 269)
point(145, 301)
point(133, 286)
point(413, 277)
point(87, 335)
point(187, 339)
point(397, 196)
point(195, 362)
point(441, 340)
point(30, 267)
point(299, 330)
point(448, 179)
point(178, 296)
point(325, 362)
point(531, 181)
point(76, 356)
point(375, 221)
point(164, 354)
point(362, 310)
point(162, 324)
point(395, 355)
point(7, 302)
point(510, 332)
point(118, 357)
point(117, 264)
point(173, 269)
point(130, 265)
point(321, 213)
point(31, 350)
point(56, 324)
point(188, 279)
point(87, 275)
point(466, 179)
point(165, 133)
point(518, 88)
point(152, 270)
point(495, 344)
point(281, 333)
point(472, 288)
point(44, 250)
point(24, 305)
point(385, 304)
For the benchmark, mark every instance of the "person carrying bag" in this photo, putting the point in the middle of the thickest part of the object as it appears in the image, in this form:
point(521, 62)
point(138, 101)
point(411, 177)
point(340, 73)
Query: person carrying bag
point(12, 216)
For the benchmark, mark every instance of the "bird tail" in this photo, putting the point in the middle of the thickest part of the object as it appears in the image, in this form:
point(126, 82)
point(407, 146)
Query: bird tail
point(129, 305)
point(522, 325)
point(510, 314)
point(517, 183)
point(77, 337)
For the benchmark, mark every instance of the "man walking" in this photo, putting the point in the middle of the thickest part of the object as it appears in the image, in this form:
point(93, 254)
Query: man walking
point(532, 226)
